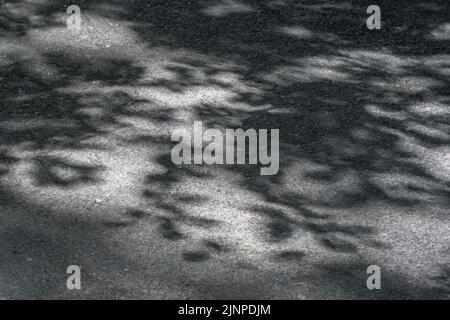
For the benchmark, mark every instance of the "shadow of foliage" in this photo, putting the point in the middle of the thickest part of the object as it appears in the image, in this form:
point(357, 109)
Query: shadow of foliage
point(368, 106)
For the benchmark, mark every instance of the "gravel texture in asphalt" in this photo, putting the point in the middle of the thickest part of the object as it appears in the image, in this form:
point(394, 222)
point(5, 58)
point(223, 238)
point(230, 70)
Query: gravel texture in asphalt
point(86, 176)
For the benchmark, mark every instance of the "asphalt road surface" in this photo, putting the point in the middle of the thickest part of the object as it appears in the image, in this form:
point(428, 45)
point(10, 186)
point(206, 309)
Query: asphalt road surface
point(86, 176)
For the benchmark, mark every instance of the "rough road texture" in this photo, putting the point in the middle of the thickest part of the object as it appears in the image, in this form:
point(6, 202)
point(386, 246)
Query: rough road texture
point(86, 176)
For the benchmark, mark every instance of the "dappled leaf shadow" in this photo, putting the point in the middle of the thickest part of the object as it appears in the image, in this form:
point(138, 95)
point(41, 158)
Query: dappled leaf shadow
point(363, 116)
